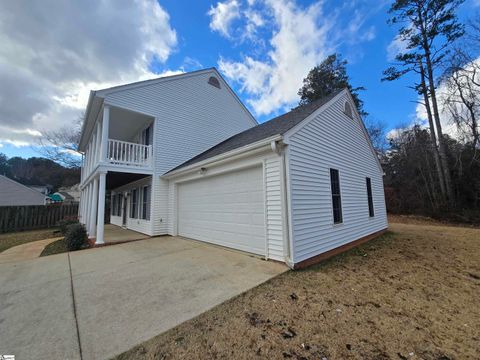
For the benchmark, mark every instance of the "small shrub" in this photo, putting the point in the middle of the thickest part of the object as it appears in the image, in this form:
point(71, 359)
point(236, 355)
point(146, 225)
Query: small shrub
point(65, 222)
point(75, 237)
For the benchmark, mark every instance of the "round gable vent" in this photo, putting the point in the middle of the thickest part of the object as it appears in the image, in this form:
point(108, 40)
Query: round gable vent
point(214, 81)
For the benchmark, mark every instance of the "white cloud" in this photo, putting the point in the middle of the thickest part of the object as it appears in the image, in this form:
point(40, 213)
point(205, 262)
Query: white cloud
point(396, 46)
point(297, 45)
point(299, 38)
point(222, 16)
point(254, 21)
point(48, 67)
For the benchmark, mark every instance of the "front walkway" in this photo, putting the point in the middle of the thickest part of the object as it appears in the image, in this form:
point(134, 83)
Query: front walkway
point(26, 251)
point(96, 303)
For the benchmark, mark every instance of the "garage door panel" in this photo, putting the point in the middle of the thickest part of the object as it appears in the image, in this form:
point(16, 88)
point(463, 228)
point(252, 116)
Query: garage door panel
point(226, 210)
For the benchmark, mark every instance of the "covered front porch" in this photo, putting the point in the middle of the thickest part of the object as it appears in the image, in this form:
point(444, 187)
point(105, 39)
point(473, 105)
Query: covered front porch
point(116, 234)
point(94, 205)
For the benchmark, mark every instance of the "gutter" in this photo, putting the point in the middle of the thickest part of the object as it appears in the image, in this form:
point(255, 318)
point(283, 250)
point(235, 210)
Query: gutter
point(225, 157)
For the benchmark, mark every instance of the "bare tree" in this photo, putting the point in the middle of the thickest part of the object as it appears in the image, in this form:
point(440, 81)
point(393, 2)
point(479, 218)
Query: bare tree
point(61, 145)
point(377, 131)
point(462, 93)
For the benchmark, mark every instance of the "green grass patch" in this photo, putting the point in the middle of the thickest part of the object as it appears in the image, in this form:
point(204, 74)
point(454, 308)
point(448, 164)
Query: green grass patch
point(56, 247)
point(9, 240)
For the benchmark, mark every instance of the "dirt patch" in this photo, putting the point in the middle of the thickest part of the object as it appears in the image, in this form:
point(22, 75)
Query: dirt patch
point(56, 247)
point(424, 220)
point(410, 294)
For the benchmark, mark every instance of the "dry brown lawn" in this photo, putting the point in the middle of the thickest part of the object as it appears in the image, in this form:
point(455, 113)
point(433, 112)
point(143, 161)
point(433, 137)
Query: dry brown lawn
point(413, 293)
point(9, 240)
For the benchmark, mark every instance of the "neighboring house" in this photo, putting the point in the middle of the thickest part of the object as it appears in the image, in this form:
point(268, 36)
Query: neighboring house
point(13, 193)
point(44, 189)
point(181, 155)
point(70, 194)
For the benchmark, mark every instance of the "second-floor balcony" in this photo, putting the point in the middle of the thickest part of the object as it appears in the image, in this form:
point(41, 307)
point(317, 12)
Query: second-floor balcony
point(129, 154)
point(119, 140)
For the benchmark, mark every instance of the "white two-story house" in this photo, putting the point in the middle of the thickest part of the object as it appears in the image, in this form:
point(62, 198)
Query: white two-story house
point(181, 155)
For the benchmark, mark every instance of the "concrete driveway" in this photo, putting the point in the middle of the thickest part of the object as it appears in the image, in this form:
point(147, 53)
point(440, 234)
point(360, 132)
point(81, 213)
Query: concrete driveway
point(97, 303)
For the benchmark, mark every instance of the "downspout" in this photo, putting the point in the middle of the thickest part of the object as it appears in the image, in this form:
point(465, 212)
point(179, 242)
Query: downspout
point(279, 148)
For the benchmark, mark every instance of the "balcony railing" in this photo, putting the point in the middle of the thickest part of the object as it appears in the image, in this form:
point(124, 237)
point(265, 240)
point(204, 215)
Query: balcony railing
point(130, 154)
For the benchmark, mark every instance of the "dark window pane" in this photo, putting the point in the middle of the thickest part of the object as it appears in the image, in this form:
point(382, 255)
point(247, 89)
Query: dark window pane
point(371, 211)
point(134, 204)
point(144, 202)
point(336, 197)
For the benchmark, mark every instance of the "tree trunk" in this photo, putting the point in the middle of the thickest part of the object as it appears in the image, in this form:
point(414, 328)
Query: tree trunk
point(441, 141)
point(433, 95)
point(433, 137)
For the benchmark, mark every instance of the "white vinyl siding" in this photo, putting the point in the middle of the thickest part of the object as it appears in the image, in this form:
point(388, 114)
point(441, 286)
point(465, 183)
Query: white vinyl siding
point(273, 208)
point(332, 140)
point(159, 206)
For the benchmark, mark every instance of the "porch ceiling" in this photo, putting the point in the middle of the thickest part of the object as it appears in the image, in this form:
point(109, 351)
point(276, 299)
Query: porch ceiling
point(117, 179)
point(125, 124)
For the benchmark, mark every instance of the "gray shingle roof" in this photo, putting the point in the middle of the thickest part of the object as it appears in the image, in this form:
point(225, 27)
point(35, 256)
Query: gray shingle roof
point(12, 193)
point(276, 126)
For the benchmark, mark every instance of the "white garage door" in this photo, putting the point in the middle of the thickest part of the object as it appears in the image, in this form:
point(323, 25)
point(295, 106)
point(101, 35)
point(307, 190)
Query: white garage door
point(227, 210)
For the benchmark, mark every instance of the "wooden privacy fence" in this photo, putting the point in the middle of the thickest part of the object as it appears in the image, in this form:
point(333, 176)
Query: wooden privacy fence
point(19, 218)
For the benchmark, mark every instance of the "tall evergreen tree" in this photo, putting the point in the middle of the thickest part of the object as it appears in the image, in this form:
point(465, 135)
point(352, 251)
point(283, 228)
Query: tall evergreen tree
point(428, 29)
point(327, 77)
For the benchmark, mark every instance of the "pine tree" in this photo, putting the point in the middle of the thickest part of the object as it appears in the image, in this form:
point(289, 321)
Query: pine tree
point(428, 29)
point(326, 78)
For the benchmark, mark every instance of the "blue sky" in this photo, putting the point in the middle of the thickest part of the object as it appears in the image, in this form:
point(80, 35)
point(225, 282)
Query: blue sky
point(263, 48)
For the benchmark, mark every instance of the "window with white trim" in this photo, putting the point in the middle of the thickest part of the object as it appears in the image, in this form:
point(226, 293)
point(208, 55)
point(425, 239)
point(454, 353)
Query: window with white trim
point(146, 202)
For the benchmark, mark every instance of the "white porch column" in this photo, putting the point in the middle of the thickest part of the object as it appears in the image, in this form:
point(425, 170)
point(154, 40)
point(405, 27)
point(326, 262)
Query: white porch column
point(105, 126)
point(93, 208)
point(82, 164)
point(88, 207)
point(85, 206)
point(80, 205)
point(101, 209)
